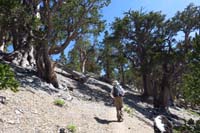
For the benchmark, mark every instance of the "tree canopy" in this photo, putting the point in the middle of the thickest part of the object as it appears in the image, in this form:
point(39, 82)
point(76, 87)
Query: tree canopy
point(142, 49)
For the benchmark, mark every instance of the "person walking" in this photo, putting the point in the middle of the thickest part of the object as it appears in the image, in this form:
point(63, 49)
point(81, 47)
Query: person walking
point(117, 94)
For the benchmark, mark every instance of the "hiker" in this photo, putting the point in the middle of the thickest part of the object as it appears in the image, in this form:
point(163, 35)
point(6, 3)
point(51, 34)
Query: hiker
point(117, 93)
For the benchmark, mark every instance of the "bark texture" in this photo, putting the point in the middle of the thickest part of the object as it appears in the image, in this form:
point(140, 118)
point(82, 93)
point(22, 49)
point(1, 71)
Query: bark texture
point(45, 67)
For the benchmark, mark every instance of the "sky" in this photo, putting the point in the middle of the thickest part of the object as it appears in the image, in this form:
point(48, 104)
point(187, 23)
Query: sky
point(167, 7)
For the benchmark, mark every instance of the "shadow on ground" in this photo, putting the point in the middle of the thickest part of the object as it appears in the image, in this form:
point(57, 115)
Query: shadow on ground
point(99, 92)
point(93, 91)
point(28, 78)
point(103, 121)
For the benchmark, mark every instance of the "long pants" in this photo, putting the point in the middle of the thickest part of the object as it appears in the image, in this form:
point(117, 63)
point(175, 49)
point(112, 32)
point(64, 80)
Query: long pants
point(118, 101)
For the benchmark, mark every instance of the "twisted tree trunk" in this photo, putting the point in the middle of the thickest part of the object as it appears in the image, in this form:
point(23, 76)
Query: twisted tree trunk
point(29, 50)
point(45, 67)
point(164, 90)
point(23, 54)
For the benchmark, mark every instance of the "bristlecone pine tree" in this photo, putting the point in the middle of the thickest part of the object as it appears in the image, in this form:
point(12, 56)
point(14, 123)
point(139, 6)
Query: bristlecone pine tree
point(191, 82)
point(40, 28)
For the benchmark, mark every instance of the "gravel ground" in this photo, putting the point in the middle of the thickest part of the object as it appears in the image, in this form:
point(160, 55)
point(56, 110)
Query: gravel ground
point(34, 112)
point(88, 107)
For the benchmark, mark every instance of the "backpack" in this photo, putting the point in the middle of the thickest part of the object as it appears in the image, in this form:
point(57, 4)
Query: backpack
point(118, 91)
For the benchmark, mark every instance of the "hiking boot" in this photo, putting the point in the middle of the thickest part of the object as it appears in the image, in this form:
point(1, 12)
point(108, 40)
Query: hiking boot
point(120, 119)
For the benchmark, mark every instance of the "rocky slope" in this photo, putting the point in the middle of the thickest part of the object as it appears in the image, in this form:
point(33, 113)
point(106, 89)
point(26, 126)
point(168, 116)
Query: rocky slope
point(88, 107)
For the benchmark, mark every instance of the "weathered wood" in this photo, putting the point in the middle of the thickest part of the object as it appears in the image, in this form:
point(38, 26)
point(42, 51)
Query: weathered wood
point(45, 66)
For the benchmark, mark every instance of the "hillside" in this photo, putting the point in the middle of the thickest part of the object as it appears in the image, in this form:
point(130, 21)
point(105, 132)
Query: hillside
point(88, 107)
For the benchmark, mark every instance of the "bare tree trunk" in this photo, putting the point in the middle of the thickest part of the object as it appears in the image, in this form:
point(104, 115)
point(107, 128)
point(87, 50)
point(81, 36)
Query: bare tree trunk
point(164, 90)
point(122, 74)
point(187, 42)
point(83, 64)
point(155, 94)
point(145, 91)
point(2, 45)
point(108, 71)
point(45, 67)
point(35, 56)
point(164, 98)
point(23, 54)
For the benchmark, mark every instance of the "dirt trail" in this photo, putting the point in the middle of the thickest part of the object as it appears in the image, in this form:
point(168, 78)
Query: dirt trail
point(118, 127)
point(129, 125)
point(34, 112)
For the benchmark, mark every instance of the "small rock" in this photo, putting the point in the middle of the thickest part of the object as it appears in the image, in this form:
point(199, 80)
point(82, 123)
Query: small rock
point(2, 99)
point(59, 95)
point(1, 120)
point(66, 89)
point(62, 130)
point(18, 111)
point(62, 86)
point(71, 88)
point(90, 98)
point(65, 95)
point(18, 121)
point(34, 112)
point(29, 80)
point(11, 122)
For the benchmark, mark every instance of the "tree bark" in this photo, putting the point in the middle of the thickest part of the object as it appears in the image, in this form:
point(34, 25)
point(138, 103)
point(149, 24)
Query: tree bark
point(26, 53)
point(45, 67)
point(108, 70)
point(23, 54)
point(164, 90)
point(122, 74)
point(23, 57)
point(29, 56)
point(164, 98)
point(145, 91)
point(155, 94)
point(2, 47)
point(2, 44)
point(83, 63)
